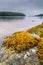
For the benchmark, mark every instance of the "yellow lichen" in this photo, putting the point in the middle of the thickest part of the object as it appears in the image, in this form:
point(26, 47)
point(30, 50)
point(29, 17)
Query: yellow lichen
point(40, 50)
point(20, 41)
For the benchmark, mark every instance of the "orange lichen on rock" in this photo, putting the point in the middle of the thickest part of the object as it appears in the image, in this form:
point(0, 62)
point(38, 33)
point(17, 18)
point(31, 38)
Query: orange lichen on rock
point(20, 41)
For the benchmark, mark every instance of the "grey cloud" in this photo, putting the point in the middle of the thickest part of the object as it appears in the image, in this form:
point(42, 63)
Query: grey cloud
point(34, 3)
point(21, 5)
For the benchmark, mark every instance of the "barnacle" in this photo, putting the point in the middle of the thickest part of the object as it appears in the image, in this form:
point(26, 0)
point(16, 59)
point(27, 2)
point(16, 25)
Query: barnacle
point(20, 41)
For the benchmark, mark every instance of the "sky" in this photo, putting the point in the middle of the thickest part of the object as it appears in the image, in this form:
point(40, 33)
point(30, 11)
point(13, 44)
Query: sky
point(31, 6)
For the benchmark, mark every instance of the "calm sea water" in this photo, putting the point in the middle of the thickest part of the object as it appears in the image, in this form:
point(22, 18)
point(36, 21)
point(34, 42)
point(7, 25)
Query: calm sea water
point(9, 26)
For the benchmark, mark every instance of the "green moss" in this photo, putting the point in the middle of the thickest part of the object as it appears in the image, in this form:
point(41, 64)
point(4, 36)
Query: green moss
point(37, 30)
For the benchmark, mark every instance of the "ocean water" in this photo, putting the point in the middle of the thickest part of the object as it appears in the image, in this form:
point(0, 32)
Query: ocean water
point(9, 26)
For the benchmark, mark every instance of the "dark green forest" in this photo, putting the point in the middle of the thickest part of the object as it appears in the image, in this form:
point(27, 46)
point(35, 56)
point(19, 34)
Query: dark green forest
point(11, 14)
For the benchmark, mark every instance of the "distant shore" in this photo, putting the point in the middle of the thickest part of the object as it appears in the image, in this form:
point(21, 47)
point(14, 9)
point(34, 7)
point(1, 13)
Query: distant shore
point(11, 13)
point(39, 15)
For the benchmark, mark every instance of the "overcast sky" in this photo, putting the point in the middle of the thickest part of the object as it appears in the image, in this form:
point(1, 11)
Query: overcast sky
point(22, 5)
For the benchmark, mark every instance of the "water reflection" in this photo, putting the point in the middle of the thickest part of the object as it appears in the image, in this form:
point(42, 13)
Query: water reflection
point(11, 17)
point(40, 17)
point(9, 26)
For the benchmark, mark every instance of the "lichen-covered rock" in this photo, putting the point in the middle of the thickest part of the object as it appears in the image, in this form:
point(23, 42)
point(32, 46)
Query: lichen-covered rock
point(38, 30)
point(40, 50)
point(20, 41)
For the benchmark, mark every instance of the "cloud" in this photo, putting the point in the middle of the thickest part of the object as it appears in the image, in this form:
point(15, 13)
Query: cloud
point(21, 5)
point(29, 3)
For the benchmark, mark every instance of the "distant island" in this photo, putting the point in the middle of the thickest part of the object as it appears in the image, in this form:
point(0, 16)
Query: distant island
point(39, 15)
point(11, 14)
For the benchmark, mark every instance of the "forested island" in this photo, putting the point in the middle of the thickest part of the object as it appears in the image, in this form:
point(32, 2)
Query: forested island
point(11, 14)
point(39, 15)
